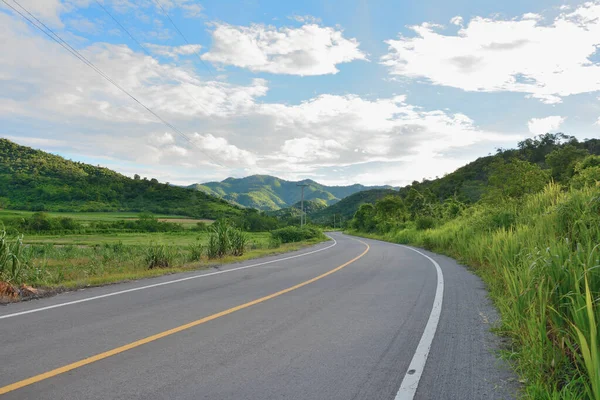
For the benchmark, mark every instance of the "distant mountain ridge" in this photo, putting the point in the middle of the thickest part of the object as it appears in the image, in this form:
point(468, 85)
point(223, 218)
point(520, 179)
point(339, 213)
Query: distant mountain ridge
point(270, 193)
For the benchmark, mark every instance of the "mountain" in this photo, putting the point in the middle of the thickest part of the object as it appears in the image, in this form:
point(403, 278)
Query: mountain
point(34, 180)
point(266, 192)
point(346, 207)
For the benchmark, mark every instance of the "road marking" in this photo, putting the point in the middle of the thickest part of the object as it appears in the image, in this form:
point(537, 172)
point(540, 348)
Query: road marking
point(101, 356)
point(408, 387)
point(162, 283)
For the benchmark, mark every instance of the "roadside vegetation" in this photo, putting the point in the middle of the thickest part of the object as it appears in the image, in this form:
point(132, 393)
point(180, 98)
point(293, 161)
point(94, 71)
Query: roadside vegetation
point(52, 251)
point(49, 266)
point(534, 236)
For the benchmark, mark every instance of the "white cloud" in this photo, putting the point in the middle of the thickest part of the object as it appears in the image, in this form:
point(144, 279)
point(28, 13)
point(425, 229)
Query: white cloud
point(66, 107)
point(308, 50)
point(532, 16)
point(539, 126)
point(173, 51)
point(544, 61)
point(306, 18)
point(220, 148)
point(458, 20)
point(48, 11)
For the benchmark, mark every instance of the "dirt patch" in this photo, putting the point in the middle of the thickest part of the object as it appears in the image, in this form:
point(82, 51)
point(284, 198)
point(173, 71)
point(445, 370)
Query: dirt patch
point(12, 293)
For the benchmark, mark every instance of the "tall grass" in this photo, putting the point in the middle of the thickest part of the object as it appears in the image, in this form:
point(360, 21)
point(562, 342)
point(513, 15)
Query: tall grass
point(225, 240)
point(12, 259)
point(541, 260)
point(159, 256)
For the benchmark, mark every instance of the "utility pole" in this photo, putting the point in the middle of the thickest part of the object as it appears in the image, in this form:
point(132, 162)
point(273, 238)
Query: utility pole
point(334, 221)
point(302, 185)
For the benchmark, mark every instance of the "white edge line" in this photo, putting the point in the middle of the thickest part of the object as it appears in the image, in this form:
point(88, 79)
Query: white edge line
point(408, 387)
point(163, 283)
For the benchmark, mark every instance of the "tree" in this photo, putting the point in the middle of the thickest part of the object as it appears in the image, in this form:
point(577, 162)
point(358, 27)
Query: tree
point(562, 161)
point(136, 177)
point(390, 208)
point(587, 172)
point(514, 179)
point(420, 203)
point(364, 218)
point(536, 149)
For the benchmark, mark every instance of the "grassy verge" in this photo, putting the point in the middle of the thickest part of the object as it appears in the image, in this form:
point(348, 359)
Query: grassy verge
point(142, 238)
point(540, 258)
point(55, 263)
point(133, 272)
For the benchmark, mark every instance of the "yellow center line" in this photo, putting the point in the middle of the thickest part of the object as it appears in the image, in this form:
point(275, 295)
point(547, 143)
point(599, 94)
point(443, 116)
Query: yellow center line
point(137, 343)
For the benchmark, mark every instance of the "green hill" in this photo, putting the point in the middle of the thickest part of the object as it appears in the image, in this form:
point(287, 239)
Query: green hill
point(310, 207)
point(266, 192)
point(38, 181)
point(468, 183)
point(346, 207)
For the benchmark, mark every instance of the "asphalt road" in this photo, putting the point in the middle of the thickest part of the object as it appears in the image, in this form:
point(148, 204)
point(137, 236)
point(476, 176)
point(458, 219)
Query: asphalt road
point(333, 322)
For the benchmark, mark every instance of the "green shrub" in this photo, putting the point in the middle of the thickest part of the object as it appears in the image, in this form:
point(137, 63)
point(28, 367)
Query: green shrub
point(274, 242)
point(196, 250)
point(200, 226)
point(159, 256)
point(292, 234)
point(12, 260)
point(219, 242)
point(212, 248)
point(424, 222)
point(238, 241)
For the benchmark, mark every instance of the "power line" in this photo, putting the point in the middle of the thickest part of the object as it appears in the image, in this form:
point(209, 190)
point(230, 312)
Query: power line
point(147, 52)
point(55, 37)
point(183, 36)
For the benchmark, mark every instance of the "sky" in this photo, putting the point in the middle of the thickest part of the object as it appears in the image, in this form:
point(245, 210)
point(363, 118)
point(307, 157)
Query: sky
point(339, 91)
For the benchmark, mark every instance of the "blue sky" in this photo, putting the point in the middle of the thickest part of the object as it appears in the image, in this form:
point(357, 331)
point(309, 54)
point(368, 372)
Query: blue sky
point(376, 92)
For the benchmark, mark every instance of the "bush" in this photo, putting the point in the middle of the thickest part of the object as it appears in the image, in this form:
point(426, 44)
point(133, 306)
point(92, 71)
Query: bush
point(219, 241)
point(225, 239)
point(424, 222)
point(159, 256)
point(200, 226)
point(11, 259)
point(292, 234)
point(238, 241)
point(196, 250)
point(212, 248)
point(274, 242)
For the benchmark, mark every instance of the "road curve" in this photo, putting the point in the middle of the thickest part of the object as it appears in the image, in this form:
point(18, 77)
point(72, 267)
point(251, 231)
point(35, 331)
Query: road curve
point(336, 321)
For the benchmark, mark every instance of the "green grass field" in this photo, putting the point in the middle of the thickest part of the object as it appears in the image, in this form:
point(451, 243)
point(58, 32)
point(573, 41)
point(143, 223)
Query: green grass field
point(133, 239)
point(72, 260)
point(86, 217)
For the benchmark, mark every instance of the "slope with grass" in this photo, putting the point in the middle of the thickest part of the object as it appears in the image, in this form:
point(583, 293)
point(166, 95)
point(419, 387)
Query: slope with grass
point(38, 181)
point(266, 192)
